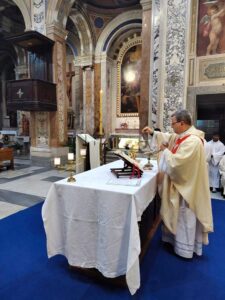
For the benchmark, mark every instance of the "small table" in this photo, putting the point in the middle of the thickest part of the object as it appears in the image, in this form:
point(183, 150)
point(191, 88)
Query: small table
point(94, 224)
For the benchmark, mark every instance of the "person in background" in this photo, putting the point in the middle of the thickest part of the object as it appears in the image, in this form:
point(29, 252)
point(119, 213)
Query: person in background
point(1, 141)
point(185, 198)
point(222, 174)
point(216, 149)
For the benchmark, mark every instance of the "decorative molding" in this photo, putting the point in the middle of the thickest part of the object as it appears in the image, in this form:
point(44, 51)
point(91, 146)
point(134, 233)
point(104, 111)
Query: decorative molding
point(83, 61)
point(38, 3)
point(38, 11)
point(193, 24)
point(191, 71)
point(56, 30)
point(211, 70)
point(112, 25)
point(146, 4)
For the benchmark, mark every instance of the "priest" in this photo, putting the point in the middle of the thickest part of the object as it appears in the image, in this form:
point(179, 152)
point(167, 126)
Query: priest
point(186, 205)
point(222, 174)
point(217, 149)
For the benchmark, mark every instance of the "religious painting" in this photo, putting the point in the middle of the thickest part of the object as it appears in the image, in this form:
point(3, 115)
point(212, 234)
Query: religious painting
point(129, 81)
point(211, 27)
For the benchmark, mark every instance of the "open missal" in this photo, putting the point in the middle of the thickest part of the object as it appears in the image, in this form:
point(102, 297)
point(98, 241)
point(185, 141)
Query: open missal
point(131, 167)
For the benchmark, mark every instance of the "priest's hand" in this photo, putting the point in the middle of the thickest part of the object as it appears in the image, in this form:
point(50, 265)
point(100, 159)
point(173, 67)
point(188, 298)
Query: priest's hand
point(147, 129)
point(163, 146)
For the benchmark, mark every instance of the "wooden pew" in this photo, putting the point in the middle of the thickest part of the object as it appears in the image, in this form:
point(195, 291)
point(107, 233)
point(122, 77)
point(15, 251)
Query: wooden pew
point(7, 154)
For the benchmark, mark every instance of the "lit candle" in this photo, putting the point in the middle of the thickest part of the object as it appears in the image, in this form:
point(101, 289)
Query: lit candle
point(70, 156)
point(57, 161)
point(83, 152)
point(100, 114)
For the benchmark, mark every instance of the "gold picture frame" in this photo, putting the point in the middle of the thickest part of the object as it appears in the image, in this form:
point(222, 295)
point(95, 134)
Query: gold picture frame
point(128, 93)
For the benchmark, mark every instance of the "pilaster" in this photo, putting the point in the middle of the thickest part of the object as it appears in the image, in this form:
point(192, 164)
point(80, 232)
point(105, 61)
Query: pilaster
point(145, 69)
point(174, 64)
point(88, 100)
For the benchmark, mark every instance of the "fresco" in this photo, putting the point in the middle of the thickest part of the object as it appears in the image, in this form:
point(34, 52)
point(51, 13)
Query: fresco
point(211, 27)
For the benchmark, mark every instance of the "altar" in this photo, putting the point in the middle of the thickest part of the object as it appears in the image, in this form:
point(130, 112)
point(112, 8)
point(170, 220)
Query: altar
point(93, 222)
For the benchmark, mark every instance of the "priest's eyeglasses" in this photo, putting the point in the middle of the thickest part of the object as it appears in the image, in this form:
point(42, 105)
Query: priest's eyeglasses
point(173, 123)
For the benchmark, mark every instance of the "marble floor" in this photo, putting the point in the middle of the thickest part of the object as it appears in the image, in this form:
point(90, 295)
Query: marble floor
point(28, 185)
point(25, 186)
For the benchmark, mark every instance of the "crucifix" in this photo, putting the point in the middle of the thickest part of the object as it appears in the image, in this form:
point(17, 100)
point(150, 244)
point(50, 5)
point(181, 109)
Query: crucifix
point(20, 93)
point(69, 76)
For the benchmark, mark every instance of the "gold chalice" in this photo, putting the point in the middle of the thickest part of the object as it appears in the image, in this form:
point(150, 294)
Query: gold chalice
point(149, 154)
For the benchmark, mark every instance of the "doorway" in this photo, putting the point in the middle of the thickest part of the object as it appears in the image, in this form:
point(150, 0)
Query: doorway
point(211, 115)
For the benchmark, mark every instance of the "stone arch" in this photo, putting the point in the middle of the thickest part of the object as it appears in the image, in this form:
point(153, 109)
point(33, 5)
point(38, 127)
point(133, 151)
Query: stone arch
point(25, 11)
point(58, 11)
point(113, 28)
point(85, 36)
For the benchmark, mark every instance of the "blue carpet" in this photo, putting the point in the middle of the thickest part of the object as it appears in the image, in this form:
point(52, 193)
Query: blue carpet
point(27, 273)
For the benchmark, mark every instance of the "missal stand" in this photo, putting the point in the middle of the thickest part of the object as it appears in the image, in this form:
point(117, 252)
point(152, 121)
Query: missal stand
point(131, 167)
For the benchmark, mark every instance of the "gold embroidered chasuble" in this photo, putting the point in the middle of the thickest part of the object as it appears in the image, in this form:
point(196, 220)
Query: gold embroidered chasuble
point(186, 176)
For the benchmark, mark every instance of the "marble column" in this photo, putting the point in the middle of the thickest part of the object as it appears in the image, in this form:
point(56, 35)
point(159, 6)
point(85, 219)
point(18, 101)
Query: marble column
point(88, 100)
point(146, 52)
point(97, 84)
point(3, 114)
point(78, 98)
point(106, 65)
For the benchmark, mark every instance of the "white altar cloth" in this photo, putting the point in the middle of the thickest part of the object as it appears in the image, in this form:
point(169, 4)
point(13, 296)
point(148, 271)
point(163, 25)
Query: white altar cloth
point(95, 224)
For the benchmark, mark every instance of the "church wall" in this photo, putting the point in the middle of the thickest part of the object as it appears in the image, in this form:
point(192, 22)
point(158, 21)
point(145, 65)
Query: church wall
point(206, 70)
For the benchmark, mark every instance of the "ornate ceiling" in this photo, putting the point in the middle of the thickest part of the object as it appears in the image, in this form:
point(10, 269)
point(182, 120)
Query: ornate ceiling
point(112, 4)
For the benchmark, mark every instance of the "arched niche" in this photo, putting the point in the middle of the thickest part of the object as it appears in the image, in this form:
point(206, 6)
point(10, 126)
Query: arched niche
point(128, 89)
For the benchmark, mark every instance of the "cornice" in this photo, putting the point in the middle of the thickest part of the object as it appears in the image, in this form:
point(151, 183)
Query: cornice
point(146, 4)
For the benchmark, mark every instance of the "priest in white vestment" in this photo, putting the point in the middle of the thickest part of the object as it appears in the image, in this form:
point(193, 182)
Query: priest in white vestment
point(222, 174)
point(184, 187)
point(217, 149)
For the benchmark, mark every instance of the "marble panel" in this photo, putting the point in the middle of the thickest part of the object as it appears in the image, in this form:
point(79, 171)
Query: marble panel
point(176, 44)
point(155, 63)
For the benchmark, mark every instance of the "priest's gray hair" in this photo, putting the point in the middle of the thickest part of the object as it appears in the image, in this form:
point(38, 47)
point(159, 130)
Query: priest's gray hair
point(183, 115)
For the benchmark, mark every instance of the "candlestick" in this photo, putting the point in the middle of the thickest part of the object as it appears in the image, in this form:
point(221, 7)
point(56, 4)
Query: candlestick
point(70, 156)
point(83, 152)
point(57, 161)
point(100, 114)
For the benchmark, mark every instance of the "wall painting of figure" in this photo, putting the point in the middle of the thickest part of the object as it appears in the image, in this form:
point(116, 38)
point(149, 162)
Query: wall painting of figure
point(129, 82)
point(211, 27)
